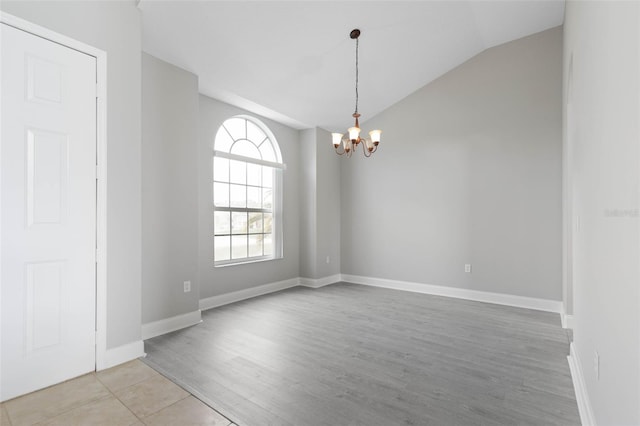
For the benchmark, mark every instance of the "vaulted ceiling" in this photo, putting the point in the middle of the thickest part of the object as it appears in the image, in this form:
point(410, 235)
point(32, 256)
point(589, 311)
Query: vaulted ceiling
point(293, 61)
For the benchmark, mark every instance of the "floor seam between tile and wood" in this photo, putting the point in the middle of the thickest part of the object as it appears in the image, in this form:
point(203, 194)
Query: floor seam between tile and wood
point(115, 401)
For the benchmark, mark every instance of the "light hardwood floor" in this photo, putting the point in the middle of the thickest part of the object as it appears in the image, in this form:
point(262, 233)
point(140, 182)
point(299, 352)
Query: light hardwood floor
point(354, 355)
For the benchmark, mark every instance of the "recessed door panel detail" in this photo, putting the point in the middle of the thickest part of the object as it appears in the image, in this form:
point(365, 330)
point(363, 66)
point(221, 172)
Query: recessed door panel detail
point(45, 288)
point(47, 176)
point(48, 212)
point(44, 80)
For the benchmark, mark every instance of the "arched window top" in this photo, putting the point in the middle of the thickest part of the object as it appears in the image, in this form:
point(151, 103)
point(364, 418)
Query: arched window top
point(247, 137)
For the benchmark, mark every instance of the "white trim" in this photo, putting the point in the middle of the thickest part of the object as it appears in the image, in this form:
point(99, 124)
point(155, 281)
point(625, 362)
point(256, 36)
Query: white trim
point(101, 149)
point(582, 397)
point(249, 160)
point(236, 296)
point(122, 354)
point(48, 34)
point(245, 261)
point(267, 131)
point(167, 325)
point(320, 282)
point(101, 208)
point(567, 321)
point(459, 293)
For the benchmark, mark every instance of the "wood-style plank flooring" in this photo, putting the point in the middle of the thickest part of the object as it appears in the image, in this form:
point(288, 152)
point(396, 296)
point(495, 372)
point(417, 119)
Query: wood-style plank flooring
point(354, 355)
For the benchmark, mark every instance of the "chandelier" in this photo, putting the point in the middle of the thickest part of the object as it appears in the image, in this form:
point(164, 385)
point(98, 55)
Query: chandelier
point(349, 144)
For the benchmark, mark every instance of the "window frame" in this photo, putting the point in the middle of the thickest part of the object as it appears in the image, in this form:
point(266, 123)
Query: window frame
point(276, 187)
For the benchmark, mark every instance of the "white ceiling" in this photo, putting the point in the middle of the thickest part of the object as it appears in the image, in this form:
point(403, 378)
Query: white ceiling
point(293, 61)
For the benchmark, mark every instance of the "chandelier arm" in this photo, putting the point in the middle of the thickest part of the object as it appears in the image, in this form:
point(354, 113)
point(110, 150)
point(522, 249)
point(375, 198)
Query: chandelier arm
point(350, 153)
point(365, 150)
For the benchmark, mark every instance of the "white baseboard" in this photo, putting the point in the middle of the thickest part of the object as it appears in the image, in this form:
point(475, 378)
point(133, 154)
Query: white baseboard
point(122, 354)
point(320, 282)
point(236, 296)
point(567, 321)
point(167, 325)
point(582, 397)
point(459, 293)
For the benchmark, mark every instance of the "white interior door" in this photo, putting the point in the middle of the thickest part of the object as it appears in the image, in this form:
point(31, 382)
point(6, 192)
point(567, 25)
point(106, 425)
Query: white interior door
point(48, 212)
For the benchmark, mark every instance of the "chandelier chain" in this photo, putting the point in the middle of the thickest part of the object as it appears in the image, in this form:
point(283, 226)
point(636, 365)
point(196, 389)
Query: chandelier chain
point(357, 44)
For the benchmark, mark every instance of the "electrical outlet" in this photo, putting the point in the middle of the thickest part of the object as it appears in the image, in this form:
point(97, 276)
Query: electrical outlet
point(467, 268)
point(187, 286)
point(596, 364)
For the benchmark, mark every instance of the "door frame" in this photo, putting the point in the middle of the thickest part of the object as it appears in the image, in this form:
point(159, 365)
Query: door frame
point(101, 170)
point(568, 208)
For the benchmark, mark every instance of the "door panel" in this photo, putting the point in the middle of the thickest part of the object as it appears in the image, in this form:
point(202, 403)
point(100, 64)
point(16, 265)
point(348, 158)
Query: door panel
point(48, 214)
point(47, 173)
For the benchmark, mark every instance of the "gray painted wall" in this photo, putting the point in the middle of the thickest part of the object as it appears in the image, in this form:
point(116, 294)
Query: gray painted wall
point(169, 189)
point(217, 281)
point(328, 207)
point(604, 41)
point(320, 205)
point(469, 171)
point(308, 208)
point(115, 28)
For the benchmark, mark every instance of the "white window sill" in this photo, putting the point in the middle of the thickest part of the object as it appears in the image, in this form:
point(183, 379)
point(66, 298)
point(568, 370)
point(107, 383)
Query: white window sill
point(225, 263)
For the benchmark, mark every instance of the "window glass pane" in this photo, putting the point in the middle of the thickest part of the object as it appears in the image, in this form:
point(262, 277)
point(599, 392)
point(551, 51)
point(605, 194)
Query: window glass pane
point(267, 219)
point(221, 194)
point(255, 133)
point(238, 171)
point(255, 245)
point(236, 127)
point(220, 169)
point(245, 148)
point(267, 177)
point(222, 248)
point(223, 141)
point(238, 196)
point(267, 198)
point(255, 223)
point(238, 246)
point(254, 174)
point(241, 186)
point(238, 222)
point(222, 223)
point(267, 151)
point(268, 244)
point(253, 197)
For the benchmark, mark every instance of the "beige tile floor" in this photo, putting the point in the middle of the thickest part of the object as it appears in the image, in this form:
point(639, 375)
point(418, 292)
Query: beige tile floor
point(129, 394)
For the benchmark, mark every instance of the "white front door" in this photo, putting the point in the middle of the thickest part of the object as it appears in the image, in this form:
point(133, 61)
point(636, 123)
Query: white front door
point(48, 212)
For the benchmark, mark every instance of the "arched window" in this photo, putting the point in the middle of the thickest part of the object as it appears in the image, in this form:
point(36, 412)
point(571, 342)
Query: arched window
point(247, 193)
